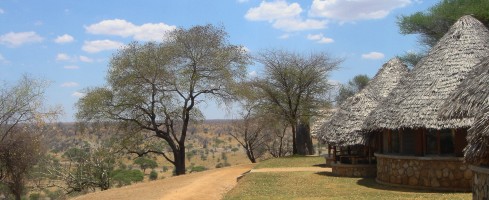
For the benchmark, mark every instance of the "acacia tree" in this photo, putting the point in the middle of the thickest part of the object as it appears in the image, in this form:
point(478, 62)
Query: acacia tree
point(353, 86)
point(156, 86)
point(432, 24)
point(293, 88)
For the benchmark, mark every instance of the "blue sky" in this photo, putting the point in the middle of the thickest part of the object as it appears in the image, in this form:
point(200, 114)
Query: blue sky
point(70, 42)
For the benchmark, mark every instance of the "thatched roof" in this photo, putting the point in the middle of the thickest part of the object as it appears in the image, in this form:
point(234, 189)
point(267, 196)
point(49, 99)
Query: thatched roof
point(345, 126)
point(416, 101)
point(471, 96)
point(472, 99)
point(477, 149)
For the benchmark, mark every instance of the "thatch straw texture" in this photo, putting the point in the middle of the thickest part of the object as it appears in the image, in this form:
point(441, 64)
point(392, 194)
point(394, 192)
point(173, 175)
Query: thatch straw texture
point(471, 96)
point(477, 150)
point(416, 101)
point(345, 126)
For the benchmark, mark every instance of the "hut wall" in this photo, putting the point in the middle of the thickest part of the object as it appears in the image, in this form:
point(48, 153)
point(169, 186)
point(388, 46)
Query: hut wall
point(445, 173)
point(349, 170)
point(480, 182)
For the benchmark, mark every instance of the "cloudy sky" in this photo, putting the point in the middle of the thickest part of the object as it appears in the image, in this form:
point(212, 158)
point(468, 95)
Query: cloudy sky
point(70, 42)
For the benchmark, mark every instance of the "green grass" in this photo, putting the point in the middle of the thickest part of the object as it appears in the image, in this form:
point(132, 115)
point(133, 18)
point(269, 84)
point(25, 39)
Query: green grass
point(291, 161)
point(311, 185)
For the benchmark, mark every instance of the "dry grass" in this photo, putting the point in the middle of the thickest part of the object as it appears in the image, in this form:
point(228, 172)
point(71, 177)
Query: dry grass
point(323, 185)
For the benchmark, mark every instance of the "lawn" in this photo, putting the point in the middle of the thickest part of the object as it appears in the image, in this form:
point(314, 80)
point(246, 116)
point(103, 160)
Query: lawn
point(292, 161)
point(313, 185)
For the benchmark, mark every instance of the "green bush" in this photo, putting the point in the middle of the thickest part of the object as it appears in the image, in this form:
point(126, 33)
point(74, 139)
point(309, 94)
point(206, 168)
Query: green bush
point(197, 169)
point(123, 177)
point(153, 175)
point(35, 196)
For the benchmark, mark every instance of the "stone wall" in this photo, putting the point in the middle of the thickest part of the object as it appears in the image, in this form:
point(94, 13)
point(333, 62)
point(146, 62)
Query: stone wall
point(480, 183)
point(444, 173)
point(329, 159)
point(349, 170)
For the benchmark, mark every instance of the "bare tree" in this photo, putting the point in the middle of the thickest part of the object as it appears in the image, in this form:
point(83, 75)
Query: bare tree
point(22, 116)
point(156, 87)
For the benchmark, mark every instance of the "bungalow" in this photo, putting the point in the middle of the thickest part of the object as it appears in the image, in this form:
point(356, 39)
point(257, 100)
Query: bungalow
point(472, 100)
point(352, 155)
point(419, 148)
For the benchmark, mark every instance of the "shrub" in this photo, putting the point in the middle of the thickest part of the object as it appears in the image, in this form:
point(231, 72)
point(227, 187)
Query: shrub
point(197, 169)
point(35, 196)
point(123, 177)
point(153, 175)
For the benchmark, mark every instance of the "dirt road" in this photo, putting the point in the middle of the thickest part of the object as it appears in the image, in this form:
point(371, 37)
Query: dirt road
point(210, 184)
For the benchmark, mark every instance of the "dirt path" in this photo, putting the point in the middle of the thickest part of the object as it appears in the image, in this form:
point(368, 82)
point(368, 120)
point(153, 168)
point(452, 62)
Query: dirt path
point(293, 169)
point(210, 184)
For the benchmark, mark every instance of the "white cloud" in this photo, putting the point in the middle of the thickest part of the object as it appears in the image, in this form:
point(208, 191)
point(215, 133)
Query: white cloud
point(352, 10)
point(85, 59)
point(284, 36)
point(252, 74)
point(71, 67)
point(2, 11)
point(298, 24)
point(13, 39)
point(283, 16)
point(320, 38)
point(78, 94)
point(373, 55)
point(269, 11)
point(3, 59)
point(62, 57)
point(100, 45)
point(69, 84)
point(123, 28)
point(64, 39)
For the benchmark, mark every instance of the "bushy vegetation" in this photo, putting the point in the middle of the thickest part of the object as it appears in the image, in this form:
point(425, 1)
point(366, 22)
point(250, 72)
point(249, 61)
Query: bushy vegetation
point(121, 177)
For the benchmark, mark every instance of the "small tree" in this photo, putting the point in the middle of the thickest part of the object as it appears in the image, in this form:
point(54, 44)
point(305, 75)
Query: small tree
point(353, 86)
point(145, 163)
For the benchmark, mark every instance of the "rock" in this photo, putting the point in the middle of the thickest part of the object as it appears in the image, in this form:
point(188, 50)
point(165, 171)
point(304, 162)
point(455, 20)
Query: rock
point(435, 183)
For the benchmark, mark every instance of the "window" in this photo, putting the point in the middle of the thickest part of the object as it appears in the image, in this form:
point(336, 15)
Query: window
point(408, 142)
point(446, 141)
point(394, 141)
point(431, 141)
point(440, 142)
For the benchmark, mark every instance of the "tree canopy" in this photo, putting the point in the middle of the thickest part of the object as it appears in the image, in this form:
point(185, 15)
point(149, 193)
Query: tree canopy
point(435, 22)
point(353, 86)
point(294, 87)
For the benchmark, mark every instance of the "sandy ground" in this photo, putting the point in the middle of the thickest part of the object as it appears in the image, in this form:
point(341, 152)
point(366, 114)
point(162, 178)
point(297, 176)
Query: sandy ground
point(211, 184)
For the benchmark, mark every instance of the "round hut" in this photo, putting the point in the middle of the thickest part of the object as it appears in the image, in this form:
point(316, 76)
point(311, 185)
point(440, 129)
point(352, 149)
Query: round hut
point(471, 99)
point(352, 151)
point(419, 148)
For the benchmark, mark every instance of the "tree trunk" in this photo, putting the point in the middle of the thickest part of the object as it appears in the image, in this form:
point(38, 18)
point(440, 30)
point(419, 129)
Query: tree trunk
point(308, 138)
point(250, 155)
point(300, 143)
point(179, 156)
point(294, 139)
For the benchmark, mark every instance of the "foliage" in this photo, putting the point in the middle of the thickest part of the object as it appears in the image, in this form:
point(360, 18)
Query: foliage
point(153, 175)
point(122, 177)
point(293, 88)
point(19, 152)
point(432, 24)
point(411, 59)
point(156, 87)
point(145, 163)
point(353, 86)
point(197, 169)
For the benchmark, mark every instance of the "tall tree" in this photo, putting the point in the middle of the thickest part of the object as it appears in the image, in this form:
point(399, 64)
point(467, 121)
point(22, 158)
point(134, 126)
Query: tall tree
point(156, 86)
point(353, 86)
point(294, 87)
